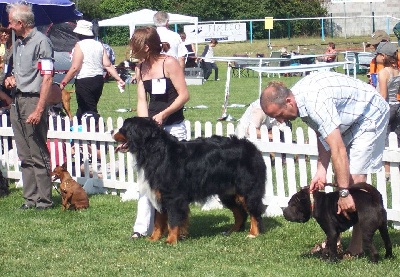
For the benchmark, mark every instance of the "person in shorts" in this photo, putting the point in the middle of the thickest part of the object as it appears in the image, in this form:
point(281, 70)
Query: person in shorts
point(350, 118)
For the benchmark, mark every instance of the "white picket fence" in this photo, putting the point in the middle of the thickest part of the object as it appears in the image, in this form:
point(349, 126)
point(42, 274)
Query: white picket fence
point(115, 173)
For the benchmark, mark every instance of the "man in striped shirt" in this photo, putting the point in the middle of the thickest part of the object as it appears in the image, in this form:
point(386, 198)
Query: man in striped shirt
point(350, 118)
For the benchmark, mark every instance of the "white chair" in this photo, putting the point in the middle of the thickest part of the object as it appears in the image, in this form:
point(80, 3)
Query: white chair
point(275, 54)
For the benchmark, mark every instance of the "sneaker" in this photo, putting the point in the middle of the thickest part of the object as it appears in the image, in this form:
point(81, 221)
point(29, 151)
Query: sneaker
point(25, 207)
point(136, 235)
point(217, 80)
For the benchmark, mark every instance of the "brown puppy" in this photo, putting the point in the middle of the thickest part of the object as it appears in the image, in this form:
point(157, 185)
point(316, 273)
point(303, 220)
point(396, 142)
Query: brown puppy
point(73, 196)
point(370, 214)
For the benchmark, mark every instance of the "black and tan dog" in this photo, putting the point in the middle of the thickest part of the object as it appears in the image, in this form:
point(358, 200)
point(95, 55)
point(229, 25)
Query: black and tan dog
point(370, 214)
point(180, 172)
point(74, 197)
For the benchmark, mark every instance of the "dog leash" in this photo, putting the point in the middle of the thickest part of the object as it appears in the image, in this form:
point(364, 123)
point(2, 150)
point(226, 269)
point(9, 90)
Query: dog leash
point(55, 187)
point(312, 203)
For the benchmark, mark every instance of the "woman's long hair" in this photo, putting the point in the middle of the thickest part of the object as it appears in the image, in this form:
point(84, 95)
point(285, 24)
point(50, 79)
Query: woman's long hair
point(147, 36)
point(391, 61)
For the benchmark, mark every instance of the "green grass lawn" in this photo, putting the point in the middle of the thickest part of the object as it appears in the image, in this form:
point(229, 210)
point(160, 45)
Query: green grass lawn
point(95, 242)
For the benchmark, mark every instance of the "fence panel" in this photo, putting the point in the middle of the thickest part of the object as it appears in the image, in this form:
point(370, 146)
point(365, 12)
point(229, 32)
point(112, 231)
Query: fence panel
point(289, 165)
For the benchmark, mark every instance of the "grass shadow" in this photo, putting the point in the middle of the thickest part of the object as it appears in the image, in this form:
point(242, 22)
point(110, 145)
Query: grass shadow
point(207, 224)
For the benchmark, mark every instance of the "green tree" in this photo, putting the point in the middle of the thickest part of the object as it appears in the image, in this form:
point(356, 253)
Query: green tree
point(210, 10)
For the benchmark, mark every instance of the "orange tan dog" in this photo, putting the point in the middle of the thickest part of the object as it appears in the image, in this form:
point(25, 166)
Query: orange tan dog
point(57, 95)
point(73, 196)
point(66, 101)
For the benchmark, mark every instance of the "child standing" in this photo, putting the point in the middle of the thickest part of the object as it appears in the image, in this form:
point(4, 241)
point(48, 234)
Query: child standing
point(208, 64)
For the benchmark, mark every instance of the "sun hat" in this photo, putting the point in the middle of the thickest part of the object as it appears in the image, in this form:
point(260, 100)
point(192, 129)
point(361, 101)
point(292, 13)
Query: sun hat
point(84, 27)
point(378, 37)
point(386, 48)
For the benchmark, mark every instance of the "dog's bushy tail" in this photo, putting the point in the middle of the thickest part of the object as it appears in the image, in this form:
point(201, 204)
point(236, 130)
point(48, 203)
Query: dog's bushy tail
point(376, 195)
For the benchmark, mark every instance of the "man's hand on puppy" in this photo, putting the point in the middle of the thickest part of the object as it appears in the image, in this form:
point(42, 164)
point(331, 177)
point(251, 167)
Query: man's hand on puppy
point(345, 205)
point(317, 184)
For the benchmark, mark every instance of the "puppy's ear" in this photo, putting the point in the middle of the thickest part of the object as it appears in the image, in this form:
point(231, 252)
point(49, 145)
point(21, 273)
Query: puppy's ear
point(306, 188)
point(64, 166)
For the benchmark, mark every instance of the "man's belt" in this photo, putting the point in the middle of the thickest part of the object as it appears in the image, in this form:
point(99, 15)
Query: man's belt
point(19, 93)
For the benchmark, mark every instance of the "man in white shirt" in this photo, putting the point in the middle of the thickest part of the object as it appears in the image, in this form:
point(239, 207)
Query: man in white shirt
point(177, 48)
point(350, 118)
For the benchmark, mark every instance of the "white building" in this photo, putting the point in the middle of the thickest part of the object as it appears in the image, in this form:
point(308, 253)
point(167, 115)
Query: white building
point(354, 17)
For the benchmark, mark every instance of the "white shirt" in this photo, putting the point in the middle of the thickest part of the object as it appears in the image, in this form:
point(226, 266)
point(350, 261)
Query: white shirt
point(177, 48)
point(209, 54)
point(255, 117)
point(330, 100)
point(92, 64)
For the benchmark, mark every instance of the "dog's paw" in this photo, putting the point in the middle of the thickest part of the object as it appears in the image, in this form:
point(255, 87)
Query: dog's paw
point(331, 258)
point(389, 255)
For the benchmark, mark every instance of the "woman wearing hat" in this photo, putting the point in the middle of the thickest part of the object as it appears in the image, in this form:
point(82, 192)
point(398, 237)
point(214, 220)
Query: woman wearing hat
point(375, 66)
point(89, 58)
point(388, 86)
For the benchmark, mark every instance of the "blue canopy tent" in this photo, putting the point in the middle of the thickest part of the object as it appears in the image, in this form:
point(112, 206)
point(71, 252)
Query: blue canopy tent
point(46, 11)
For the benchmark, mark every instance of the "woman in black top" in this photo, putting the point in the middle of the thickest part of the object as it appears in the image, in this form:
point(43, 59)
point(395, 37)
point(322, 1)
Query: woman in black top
point(162, 92)
point(159, 76)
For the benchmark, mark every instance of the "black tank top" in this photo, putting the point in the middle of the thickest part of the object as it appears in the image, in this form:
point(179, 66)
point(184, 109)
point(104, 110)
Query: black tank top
point(160, 100)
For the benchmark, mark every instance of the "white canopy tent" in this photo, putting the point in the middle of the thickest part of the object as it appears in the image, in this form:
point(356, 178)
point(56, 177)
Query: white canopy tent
point(143, 18)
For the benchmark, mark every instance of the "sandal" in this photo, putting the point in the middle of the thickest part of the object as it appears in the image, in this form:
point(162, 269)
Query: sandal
point(136, 235)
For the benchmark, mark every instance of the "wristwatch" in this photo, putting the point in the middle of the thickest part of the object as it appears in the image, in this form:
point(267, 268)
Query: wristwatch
point(344, 193)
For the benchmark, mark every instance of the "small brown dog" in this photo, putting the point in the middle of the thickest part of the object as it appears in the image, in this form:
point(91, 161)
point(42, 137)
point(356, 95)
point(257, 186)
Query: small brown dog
point(56, 95)
point(73, 196)
point(66, 100)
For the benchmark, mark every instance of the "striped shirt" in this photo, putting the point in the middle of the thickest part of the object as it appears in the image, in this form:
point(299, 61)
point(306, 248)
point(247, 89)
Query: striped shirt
point(329, 100)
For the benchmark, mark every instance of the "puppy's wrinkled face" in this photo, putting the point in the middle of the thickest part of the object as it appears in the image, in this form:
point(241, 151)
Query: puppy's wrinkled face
point(299, 207)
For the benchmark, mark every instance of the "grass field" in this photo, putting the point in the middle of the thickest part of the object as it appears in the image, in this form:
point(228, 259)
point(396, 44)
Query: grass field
point(95, 242)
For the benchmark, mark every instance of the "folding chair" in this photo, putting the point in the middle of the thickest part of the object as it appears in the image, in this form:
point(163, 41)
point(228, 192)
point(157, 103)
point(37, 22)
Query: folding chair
point(239, 69)
point(275, 54)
